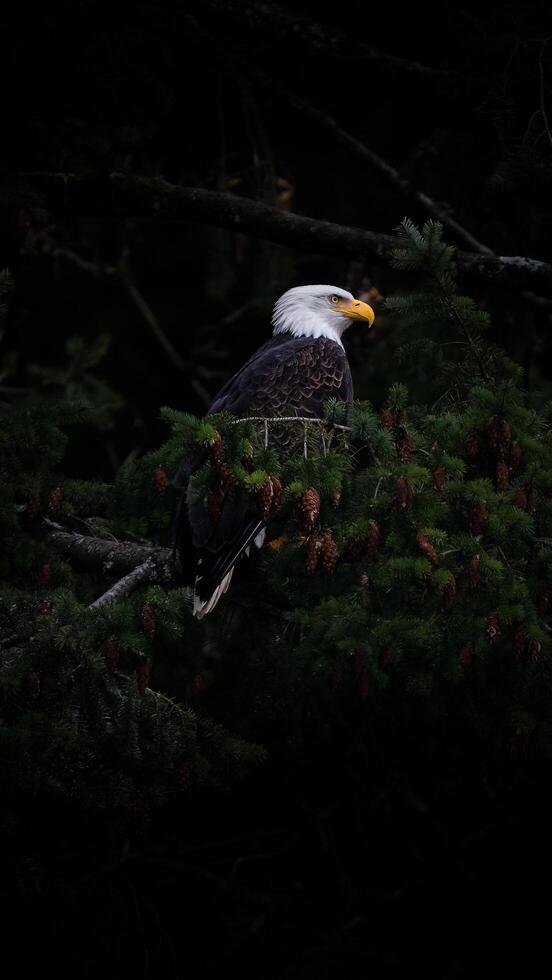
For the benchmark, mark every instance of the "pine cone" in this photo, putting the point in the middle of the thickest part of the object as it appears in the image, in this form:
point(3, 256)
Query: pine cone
point(387, 418)
point(56, 496)
point(142, 677)
point(213, 507)
point(227, 479)
point(449, 591)
point(473, 572)
point(519, 641)
point(33, 507)
point(264, 499)
point(519, 499)
point(472, 446)
point(502, 476)
point(439, 477)
point(160, 479)
point(308, 509)
point(403, 494)
point(492, 432)
point(32, 685)
point(277, 491)
point(373, 540)
point(465, 657)
point(543, 601)
point(111, 654)
point(478, 517)
point(531, 500)
point(312, 552)
point(148, 620)
point(503, 438)
point(425, 546)
point(492, 628)
point(328, 552)
point(216, 450)
point(516, 456)
point(533, 650)
point(405, 449)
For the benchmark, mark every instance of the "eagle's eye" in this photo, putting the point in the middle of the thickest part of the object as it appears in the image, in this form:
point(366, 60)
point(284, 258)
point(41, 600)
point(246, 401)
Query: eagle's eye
point(334, 300)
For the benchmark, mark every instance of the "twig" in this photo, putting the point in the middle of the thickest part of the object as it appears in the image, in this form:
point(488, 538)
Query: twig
point(291, 418)
point(147, 313)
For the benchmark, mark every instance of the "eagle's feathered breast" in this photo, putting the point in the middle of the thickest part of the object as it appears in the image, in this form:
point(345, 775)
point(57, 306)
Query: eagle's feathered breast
point(288, 376)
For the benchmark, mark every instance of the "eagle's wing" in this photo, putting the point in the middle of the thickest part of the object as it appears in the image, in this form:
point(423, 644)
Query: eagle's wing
point(287, 376)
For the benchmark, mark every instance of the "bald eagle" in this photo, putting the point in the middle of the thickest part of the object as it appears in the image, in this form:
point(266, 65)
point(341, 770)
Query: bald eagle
point(293, 373)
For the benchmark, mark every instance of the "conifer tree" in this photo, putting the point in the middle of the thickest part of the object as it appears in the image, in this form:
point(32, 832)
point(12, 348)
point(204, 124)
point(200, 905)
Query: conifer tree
point(408, 574)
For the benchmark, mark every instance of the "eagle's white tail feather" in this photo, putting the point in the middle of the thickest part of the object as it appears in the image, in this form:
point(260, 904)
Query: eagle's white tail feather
point(260, 539)
point(201, 608)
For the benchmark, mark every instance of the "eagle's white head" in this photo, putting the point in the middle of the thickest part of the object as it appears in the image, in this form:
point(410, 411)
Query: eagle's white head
point(318, 311)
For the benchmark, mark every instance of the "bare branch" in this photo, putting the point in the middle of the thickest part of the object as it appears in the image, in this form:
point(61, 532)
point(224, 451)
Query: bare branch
point(361, 152)
point(322, 39)
point(111, 557)
point(125, 195)
point(124, 586)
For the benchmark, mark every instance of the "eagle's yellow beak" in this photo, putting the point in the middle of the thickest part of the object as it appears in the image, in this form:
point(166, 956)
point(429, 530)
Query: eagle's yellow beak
point(356, 310)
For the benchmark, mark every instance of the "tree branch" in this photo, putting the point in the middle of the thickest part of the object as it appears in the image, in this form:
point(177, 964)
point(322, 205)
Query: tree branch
point(361, 152)
point(111, 557)
point(125, 195)
point(124, 586)
point(321, 39)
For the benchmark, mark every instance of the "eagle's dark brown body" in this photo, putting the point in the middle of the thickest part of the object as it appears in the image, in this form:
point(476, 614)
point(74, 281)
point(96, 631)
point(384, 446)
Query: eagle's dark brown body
point(286, 376)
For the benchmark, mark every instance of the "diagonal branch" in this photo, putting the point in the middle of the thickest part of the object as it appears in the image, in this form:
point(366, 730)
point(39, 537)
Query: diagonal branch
point(125, 195)
point(361, 152)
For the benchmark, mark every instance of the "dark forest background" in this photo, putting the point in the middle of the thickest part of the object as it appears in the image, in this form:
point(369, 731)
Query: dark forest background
point(457, 100)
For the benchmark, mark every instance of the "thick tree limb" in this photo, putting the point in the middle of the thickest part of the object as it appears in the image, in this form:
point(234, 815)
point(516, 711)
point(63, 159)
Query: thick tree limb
point(125, 195)
point(109, 556)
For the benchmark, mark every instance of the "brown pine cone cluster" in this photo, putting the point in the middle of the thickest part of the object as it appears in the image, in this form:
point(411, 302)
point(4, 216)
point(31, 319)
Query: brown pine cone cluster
point(478, 517)
point(366, 545)
point(465, 657)
point(402, 499)
point(425, 546)
point(473, 573)
point(524, 646)
point(307, 509)
point(321, 551)
point(111, 654)
point(449, 591)
point(160, 479)
point(492, 627)
point(269, 498)
point(439, 477)
point(494, 450)
point(56, 499)
point(142, 677)
point(148, 620)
